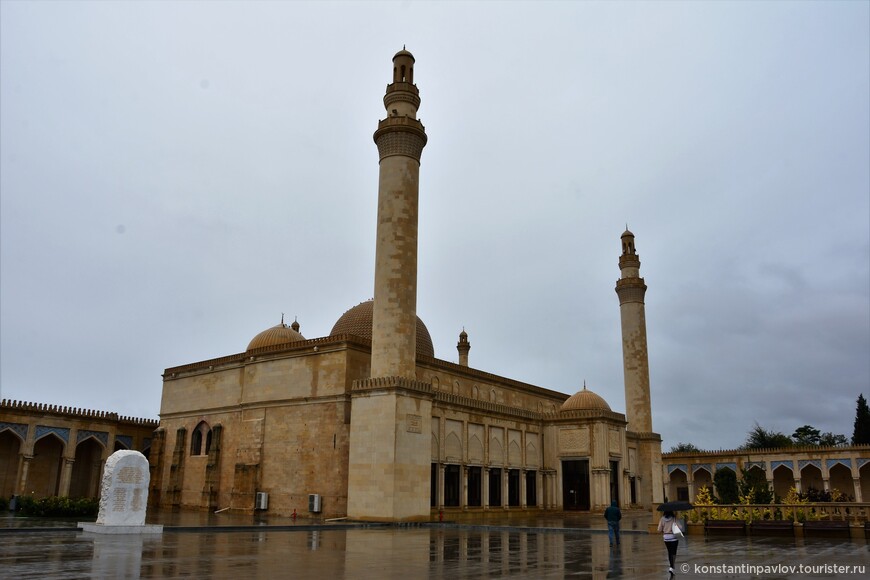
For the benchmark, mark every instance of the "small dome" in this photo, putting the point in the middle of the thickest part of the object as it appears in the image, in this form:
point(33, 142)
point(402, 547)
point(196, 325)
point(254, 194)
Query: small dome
point(279, 334)
point(627, 234)
point(585, 400)
point(404, 52)
point(358, 322)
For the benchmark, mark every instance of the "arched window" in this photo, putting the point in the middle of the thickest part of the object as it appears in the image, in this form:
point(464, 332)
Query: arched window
point(200, 434)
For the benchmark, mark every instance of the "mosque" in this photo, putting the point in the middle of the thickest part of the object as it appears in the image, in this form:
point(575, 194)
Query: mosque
point(367, 423)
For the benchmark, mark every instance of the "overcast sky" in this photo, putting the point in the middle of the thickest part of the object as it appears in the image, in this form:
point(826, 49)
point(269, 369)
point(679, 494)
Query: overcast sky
point(176, 175)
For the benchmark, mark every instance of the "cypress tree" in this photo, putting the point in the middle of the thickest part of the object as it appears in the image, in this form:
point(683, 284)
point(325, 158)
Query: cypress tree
point(861, 435)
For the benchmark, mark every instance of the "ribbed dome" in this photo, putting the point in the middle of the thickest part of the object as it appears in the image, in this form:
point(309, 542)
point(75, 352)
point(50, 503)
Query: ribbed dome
point(585, 400)
point(358, 322)
point(279, 334)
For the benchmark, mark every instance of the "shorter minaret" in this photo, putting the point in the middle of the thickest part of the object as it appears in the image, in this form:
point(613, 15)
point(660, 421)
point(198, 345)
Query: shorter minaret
point(631, 290)
point(463, 346)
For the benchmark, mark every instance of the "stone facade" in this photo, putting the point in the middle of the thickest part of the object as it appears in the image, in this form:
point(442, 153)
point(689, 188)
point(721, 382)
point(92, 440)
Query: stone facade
point(48, 450)
point(845, 469)
point(285, 414)
point(371, 423)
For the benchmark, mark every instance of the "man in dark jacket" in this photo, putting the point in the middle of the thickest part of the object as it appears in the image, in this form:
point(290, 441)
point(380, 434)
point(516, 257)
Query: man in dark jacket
point(613, 515)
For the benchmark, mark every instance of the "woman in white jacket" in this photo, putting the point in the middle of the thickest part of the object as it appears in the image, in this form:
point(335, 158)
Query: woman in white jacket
point(666, 527)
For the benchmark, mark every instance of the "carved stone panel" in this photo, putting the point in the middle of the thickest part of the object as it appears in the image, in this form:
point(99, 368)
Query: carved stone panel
point(614, 445)
point(574, 440)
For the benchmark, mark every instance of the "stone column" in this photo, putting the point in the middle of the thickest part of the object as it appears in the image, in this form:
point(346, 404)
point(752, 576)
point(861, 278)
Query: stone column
point(65, 476)
point(523, 488)
point(484, 492)
point(505, 500)
point(856, 483)
point(441, 468)
point(463, 497)
point(797, 484)
point(24, 468)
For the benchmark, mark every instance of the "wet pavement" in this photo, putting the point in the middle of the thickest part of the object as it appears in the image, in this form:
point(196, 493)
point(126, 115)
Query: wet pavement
point(233, 546)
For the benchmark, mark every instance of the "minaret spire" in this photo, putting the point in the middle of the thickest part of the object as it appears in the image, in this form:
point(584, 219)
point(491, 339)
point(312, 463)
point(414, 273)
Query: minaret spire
point(631, 290)
point(463, 346)
point(400, 139)
point(389, 442)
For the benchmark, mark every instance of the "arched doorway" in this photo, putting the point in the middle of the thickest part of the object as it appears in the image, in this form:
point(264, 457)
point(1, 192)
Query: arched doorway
point(811, 478)
point(840, 478)
point(783, 480)
point(575, 484)
point(702, 479)
point(10, 457)
point(43, 476)
point(679, 486)
point(86, 469)
point(864, 474)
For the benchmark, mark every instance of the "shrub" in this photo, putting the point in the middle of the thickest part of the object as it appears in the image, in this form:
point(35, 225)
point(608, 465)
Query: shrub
point(58, 507)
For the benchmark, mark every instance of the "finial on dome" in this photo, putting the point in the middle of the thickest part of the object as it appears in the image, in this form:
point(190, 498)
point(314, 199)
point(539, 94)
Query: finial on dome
point(584, 384)
point(282, 319)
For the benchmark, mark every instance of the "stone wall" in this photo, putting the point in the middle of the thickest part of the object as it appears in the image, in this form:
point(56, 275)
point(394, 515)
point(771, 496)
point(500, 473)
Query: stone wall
point(54, 450)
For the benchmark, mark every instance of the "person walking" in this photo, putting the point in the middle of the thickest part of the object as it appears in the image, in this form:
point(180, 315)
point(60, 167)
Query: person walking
point(613, 515)
point(672, 540)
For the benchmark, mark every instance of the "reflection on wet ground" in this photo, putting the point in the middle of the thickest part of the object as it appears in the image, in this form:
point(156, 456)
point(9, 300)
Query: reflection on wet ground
point(440, 551)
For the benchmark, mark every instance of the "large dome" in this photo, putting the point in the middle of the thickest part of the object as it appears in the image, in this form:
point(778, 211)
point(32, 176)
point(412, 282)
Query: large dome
point(585, 400)
point(279, 334)
point(358, 322)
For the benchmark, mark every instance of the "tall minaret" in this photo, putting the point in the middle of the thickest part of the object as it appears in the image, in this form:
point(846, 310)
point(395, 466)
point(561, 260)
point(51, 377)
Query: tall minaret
point(463, 346)
point(645, 470)
point(631, 289)
point(389, 457)
point(400, 139)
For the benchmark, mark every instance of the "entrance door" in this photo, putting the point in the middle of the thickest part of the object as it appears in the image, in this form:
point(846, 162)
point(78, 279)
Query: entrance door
point(575, 484)
point(614, 481)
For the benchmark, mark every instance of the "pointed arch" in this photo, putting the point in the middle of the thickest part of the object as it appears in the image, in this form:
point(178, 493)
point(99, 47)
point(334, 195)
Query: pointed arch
point(496, 452)
point(200, 439)
point(453, 448)
point(515, 454)
point(475, 449)
point(532, 454)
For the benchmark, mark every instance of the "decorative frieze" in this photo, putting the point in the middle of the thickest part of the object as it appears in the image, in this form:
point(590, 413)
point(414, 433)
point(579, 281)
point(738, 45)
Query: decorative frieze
point(101, 436)
point(400, 136)
point(43, 430)
point(17, 428)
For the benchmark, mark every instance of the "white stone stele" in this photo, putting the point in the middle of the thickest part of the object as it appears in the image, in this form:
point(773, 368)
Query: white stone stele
point(123, 496)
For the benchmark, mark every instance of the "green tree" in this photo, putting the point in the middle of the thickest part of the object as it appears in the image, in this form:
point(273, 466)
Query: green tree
point(861, 434)
point(753, 486)
point(830, 439)
point(684, 448)
point(806, 435)
point(761, 438)
point(725, 482)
